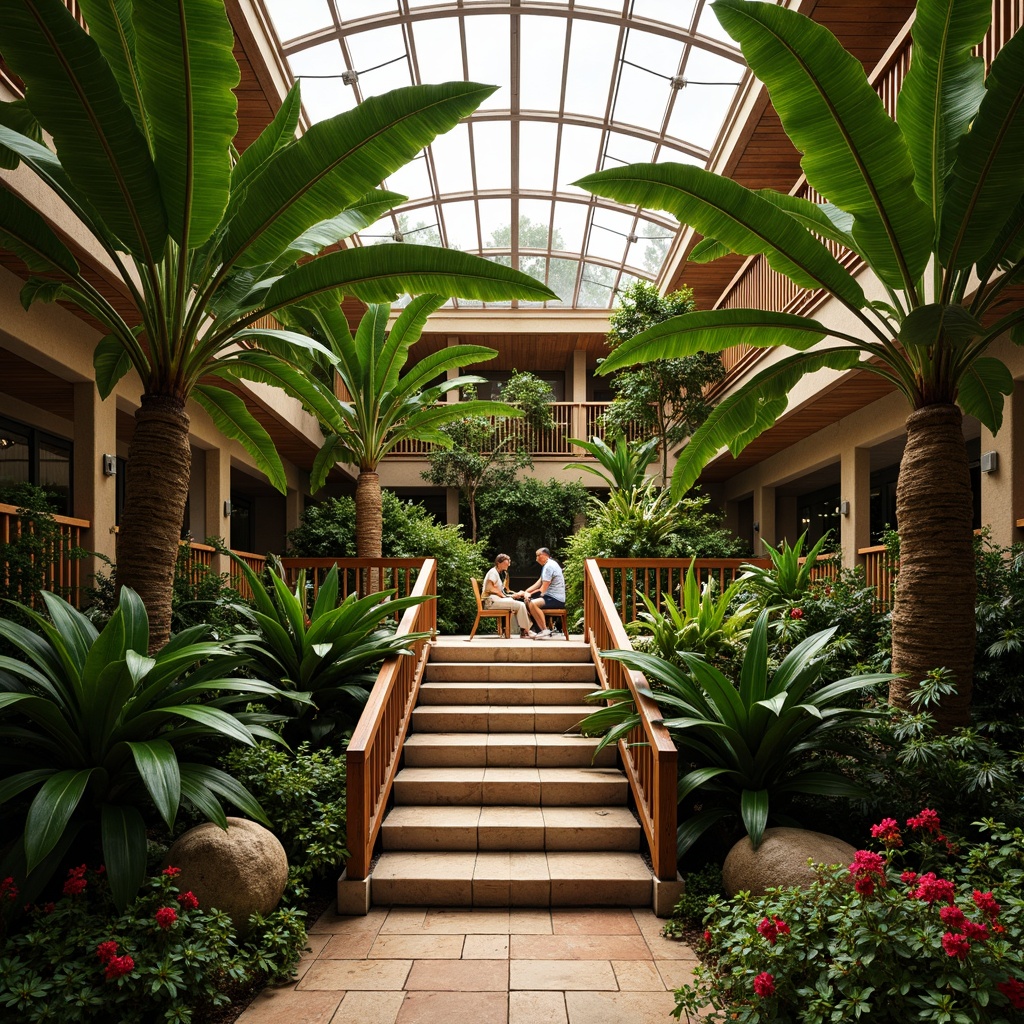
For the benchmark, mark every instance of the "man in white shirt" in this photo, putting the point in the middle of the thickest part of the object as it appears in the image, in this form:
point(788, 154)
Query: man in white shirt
point(547, 592)
point(495, 596)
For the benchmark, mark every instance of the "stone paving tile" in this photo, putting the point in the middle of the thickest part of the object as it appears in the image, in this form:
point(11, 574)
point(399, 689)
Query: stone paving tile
point(604, 921)
point(458, 976)
point(661, 948)
point(618, 1007)
point(485, 947)
point(446, 1007)
point(579, 947)
point(562, 975)
point(367, 1008)
point(416, 947)
point(359, 975)
point(404, 919)
point(315, 945)
point(536, 1008)
point(274, 1005)
point(332, 922)
point(525, 921)
point(348, 946)
point(676, 972)
point(466, 922)
point(639, 975)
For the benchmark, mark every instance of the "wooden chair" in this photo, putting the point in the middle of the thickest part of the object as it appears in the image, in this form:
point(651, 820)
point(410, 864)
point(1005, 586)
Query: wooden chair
point(503, 615)
point(557, 613)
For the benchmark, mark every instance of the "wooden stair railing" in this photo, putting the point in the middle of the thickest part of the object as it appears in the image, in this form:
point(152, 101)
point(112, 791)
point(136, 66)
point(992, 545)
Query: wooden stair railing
point(374, 752)
point(649, 755)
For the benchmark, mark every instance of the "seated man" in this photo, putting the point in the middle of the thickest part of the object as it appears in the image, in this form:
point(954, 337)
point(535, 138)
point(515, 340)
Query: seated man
point(495, 596)
point(547, 592)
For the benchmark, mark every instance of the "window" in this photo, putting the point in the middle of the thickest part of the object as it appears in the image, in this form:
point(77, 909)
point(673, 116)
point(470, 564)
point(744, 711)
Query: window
point(30, 456)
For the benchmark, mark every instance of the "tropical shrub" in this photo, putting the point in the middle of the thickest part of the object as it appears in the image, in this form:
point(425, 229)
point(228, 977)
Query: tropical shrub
point(95, 730)
point(164, 957)
point(409, 531)
point(789, 579)
point(755, 742)
point(327, 656)
point(928, 929)
point(623, 464)
point(704, 623)
point(698, 887)
point(303, 794)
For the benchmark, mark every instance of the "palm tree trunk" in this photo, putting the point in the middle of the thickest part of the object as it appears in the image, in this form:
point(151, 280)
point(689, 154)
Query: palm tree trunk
point(368, 515)
point(156, 488)
point(933, 621)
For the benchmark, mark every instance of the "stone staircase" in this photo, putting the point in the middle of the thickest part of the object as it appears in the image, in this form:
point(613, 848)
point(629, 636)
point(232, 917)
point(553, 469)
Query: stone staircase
point(494, 806)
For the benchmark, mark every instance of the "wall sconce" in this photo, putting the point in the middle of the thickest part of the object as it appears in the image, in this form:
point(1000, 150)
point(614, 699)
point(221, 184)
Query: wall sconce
point(757, 527)
point(844, 508)
point(110, 465)
point(227, 510)
point(989, 462)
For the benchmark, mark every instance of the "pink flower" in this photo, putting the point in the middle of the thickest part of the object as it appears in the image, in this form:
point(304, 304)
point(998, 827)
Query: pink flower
point(764, 984)
point(796, 613)
point(888, 831)
point(165, 917)
point(1014, 991)
point(986, 903)
point(106, 951)
point(188, 900)
point(172, 871)
point(926, 821)
point(953, 917)
point(118, 967)
point(909, 877)
point(74, 887)
point(956, 945)
point(933, 890)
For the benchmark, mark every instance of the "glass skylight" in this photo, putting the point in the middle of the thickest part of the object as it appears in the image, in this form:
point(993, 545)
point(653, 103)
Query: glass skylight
point(582, 87)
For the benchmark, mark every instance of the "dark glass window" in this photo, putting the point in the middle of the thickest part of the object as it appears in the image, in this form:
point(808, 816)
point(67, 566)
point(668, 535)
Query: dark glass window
point(30, 456)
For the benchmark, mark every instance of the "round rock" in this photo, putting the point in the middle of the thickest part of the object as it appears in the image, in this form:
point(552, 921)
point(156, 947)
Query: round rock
point(781, 860)
point(241, 871)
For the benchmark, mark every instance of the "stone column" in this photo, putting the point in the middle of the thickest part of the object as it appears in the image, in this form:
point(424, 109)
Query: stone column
point(217, 480)
point(294, 506)
point(1002, 489)
point(855, 490)
point(764, 519)
point(95, 493)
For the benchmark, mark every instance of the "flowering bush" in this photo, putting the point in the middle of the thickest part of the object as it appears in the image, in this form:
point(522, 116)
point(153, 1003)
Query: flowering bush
point(925, 928)
point(77, 961)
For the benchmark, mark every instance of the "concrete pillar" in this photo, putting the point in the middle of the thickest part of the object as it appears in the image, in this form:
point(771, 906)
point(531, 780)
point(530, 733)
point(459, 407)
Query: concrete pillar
point(854, 492)
point(1002, 489)
point(451, 511)
point(578, 384)
point(217, 478)
point(451, 374)
point(95, 493)
point(764, 519)
point(787, 519)
point(294, 506)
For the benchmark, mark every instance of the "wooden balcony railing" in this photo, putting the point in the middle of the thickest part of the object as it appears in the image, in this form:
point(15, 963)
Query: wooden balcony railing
point(648, 752)
point(374, 752)
point(61, 566)
point(879, 573)
point(757, 285)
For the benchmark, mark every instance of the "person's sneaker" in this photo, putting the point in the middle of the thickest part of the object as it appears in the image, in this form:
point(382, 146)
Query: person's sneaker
point(543, 634)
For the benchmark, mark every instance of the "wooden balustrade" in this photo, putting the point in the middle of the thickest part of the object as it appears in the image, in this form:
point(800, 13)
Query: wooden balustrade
point(374, 752)
point(648, 752)
point(879, 572)
point(360, 576)
point(58, 558)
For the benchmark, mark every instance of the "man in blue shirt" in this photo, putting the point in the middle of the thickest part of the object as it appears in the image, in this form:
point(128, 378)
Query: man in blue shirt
point(547, 592)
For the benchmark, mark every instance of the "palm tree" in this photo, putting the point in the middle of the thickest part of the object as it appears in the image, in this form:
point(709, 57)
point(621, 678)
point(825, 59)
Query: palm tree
point(931, 203)
point(384, 406)
point(202, 243)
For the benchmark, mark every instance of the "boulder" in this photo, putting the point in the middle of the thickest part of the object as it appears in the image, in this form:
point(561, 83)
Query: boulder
point(241, 871)
point(781, 860)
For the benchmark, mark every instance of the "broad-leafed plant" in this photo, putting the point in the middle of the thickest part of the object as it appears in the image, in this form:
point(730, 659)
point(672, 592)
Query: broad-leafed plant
point(791, 573)
point(324, 658)
point(932, 205)
point(757, 740)
point(98, 732)
point(201, 242)
point(623, 463)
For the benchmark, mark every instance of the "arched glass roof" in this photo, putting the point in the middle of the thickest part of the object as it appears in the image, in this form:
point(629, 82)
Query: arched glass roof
point(582, 87)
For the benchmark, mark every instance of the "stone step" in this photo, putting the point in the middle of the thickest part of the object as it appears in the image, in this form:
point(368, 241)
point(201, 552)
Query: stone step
point(505, 750)
point(492, 718)
point(511, 693)
point(511, 828)
point(511, 879)
point(509, 672)
point(528, 787)
point(456, 649)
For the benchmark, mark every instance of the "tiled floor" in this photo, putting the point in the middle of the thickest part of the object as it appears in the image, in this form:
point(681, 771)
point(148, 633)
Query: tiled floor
point(410, 965)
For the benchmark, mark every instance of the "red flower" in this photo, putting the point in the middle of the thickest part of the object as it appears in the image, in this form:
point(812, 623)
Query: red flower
point(796, 613)
point(188, 900)
point(976, 932)
point(118, 967)
point(772, 928)
point(888, 831)
point(909, 877)
point(986, 903)
point(926, 821)
point(707, 936)
point(956, 945)
point(49, 908)
point(764, 984)
point(864, 885)
point(8, 890)
point(1014, 991)
point(953, 917)
point(165, 917)
point(172, 871)
point(74, 887)
point(106, 951)
point(867, 868)
point(933, 890)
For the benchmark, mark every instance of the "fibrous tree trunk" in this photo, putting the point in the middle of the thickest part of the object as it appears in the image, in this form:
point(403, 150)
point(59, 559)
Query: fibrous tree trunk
point(933, 620)
point(368, 515)
point(156, 489)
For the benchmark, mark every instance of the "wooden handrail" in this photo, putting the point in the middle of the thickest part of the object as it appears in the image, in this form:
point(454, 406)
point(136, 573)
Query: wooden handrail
point(360, 576)
point(374, 752)
point(648, 752)
point(61, 572)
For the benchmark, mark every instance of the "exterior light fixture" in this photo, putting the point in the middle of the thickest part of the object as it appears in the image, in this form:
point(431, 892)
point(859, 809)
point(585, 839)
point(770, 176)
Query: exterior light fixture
point(757, 527)
point(844, 508)
point(110, 465)
point(989, 462)
point(227, 509)
point(350, 77)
